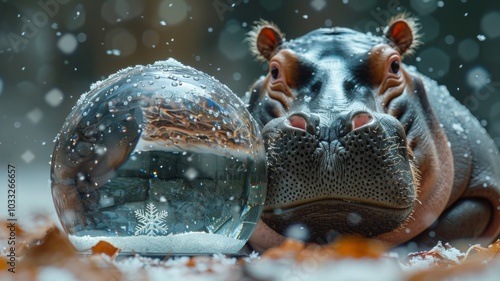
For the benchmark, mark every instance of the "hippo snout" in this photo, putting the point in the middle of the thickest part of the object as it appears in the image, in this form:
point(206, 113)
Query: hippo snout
point(353, 166)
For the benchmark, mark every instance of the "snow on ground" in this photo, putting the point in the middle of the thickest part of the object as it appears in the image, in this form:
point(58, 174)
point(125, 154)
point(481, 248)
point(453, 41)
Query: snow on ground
point(442, 263)
point(224, 268)
point(49, 255)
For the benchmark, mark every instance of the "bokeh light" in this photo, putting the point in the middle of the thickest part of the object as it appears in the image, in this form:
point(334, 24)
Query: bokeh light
point(173, 11)
point(468, 49)
point(114, 11)
point(434, 62)
point(232, 41)
point(35, 115)
point(121, 39)
point(478, 77)
point(318, 5)
point(54, 97)
point(76, 19)
point(67, 43)
point(490, 24)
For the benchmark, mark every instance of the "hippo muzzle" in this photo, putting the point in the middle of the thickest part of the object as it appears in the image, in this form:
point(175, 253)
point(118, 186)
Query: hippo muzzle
point(355, 169)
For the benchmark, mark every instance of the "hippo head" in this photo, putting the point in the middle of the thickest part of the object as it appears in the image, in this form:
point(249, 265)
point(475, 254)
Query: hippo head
point(338, 113)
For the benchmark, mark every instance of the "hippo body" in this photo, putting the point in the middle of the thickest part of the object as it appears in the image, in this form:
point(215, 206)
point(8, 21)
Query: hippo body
point(359, 143)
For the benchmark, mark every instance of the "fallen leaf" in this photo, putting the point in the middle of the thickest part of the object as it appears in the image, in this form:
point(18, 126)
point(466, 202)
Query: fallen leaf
point(103, 247)
point(445, 273)
point(52, 249)
point(191, 262)
point(288, 249)
point(345, 247)
point(5, 230)
point(480, 254)
point(358, 247)
point(474, 261)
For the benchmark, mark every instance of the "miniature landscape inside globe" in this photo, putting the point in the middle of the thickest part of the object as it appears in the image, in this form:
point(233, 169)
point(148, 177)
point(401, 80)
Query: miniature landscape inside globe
point(159, 159)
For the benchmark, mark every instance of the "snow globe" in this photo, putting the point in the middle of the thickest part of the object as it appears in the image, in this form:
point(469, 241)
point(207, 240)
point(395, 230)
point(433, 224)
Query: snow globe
point(159, 159)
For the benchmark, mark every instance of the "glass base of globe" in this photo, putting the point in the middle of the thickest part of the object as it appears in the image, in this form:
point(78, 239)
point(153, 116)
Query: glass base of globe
point(173, 202)
point(190, 243)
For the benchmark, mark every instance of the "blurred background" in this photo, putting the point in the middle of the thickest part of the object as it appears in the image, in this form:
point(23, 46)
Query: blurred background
point(51, 51)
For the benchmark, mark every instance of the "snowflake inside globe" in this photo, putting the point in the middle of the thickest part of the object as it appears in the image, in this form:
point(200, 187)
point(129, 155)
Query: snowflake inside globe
point(151, 222)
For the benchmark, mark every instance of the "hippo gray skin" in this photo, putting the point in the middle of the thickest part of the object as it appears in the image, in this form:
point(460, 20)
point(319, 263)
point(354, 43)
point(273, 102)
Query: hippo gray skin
point(358, 143)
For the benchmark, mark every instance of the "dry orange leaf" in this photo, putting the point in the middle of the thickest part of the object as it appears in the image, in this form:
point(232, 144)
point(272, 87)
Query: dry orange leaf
point(288, 249)
point(477, 253)
point(51, 249)
point(4, 264)
point(191, 262)
point(5, 228)
point(358, 247)
point(474, 261)
point(345, 247)
point(445, 273)
point(103, 247)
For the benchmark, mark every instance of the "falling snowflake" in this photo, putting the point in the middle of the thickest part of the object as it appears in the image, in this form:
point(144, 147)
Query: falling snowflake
point(150, 221)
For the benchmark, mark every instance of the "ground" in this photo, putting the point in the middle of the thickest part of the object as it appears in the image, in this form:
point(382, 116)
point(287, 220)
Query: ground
point(43, 252)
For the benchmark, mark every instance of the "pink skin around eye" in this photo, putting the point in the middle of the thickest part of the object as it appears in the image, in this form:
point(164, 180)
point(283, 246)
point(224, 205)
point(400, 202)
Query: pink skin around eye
point(278, 88)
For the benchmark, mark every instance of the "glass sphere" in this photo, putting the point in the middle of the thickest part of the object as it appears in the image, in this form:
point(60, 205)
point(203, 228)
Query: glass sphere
point(159, 159)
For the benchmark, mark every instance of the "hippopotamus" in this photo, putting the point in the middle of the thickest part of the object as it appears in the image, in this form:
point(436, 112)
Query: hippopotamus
point(359, 143)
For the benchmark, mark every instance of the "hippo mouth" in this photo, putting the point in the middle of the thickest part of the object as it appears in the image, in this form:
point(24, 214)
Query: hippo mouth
point(325, 219)
point(354, 176)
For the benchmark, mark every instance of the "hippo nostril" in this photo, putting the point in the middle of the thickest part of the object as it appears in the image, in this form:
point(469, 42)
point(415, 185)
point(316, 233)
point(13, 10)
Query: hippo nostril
point(360, 119)
point(298, 122)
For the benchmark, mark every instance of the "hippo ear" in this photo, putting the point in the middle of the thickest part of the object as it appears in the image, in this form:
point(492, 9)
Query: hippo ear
point(403, 34)
point(265, 40)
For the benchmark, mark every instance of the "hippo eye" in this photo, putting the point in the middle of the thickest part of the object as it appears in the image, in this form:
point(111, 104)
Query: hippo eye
point(395, 67)
point(275, 73)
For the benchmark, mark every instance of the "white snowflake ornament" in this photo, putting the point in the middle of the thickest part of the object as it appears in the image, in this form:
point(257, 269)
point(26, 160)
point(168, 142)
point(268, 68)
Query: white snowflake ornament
point(151, 221)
